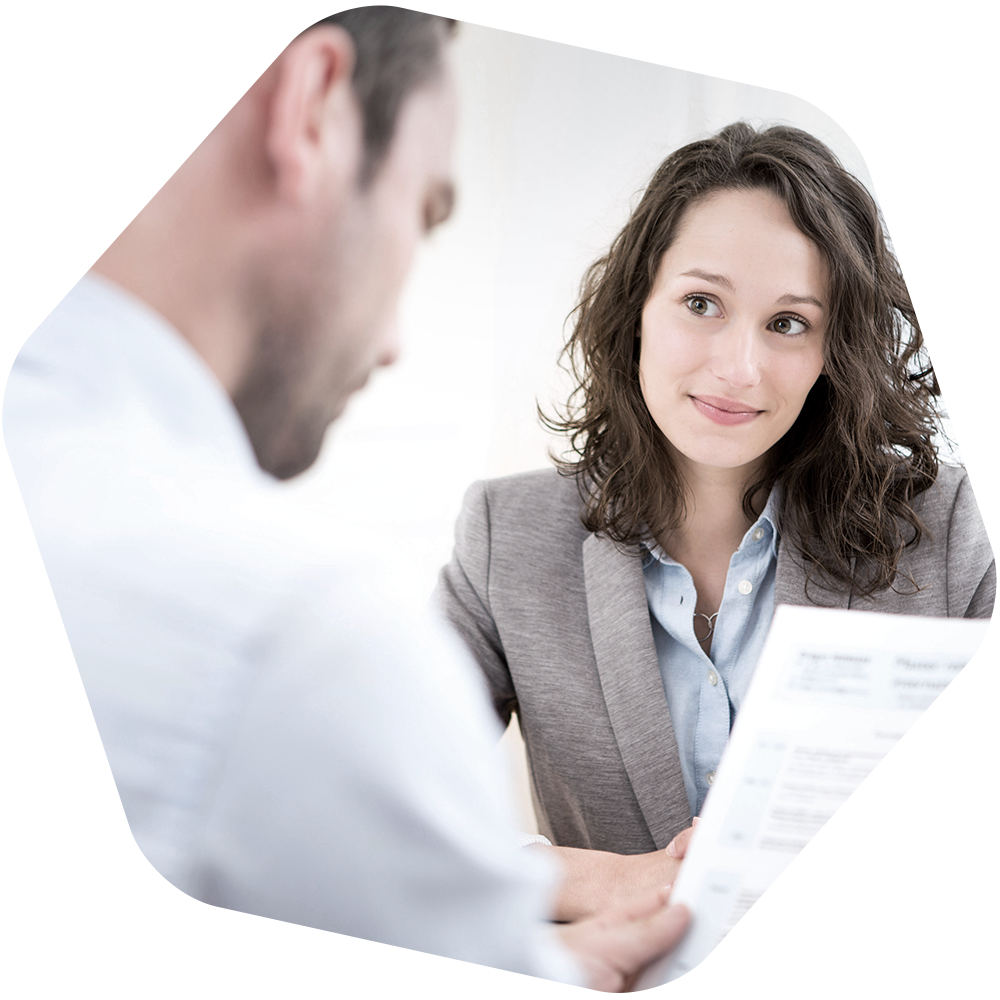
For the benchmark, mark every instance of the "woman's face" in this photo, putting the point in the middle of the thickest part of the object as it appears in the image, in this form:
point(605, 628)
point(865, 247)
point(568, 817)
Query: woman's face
point(732, 333)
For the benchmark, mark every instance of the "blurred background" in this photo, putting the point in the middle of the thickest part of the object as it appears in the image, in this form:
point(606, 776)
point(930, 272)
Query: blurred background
point(555, 144)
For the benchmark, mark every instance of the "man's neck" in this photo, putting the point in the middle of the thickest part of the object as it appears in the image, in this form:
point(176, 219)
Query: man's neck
point(180, 278)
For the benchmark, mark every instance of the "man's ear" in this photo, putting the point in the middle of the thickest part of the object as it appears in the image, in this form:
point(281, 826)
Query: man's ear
point(314, 122)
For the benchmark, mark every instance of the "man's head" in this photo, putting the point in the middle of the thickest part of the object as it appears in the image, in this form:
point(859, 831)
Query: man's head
point(330, 318)
point(396, 52)
point(280, 248)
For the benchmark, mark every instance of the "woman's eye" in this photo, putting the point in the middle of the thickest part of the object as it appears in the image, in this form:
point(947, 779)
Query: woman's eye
point(788, 326)
point(702, 306)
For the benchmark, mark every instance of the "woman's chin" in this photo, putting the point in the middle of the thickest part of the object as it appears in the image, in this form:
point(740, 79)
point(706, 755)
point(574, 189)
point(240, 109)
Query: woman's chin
point(711, 455)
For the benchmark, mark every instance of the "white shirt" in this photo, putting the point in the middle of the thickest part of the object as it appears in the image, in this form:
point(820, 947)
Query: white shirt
point(287, 737)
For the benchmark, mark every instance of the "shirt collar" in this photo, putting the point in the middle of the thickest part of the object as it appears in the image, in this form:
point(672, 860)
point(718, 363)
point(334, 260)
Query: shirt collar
point(124, 345)
point(769, 516)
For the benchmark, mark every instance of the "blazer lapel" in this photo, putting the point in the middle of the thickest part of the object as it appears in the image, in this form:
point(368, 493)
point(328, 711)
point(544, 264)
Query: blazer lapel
point(632, 687)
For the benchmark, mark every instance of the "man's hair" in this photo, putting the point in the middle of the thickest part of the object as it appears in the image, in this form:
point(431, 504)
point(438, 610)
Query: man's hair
point(863, 446)
point(396, 52)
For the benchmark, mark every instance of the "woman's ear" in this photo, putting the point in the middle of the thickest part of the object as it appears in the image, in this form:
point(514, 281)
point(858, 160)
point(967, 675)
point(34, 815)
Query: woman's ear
point(314, 124)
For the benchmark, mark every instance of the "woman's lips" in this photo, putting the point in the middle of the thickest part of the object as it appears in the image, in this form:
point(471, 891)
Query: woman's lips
point(728, 412)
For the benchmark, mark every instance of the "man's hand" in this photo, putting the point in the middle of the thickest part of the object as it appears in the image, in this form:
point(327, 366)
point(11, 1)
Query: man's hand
point(596, 881)
point(614, 947)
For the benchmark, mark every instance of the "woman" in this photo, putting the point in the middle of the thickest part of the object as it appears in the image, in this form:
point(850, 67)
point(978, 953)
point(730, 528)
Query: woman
point(753, 424)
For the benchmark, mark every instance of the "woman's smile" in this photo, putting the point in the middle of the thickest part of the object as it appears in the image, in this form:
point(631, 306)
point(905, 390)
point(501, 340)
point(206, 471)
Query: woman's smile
point(727, 412)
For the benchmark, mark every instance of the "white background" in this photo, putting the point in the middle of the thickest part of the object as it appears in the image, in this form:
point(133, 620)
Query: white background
point(102, 102)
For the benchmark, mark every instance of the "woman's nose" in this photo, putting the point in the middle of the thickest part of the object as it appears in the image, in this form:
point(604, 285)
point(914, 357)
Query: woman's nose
point(736, 359)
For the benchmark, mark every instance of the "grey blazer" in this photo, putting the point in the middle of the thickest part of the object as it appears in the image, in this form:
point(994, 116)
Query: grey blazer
point(557, 619)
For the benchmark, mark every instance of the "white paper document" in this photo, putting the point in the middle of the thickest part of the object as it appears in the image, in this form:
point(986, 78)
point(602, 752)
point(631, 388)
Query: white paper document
point(833, 692)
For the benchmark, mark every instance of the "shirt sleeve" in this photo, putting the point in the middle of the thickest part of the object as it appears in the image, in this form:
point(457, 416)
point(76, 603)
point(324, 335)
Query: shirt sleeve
point(527, 839)
point(360, 792)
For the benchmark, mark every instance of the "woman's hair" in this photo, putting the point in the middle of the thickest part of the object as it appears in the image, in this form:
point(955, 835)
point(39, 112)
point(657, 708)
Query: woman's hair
point(863, 446)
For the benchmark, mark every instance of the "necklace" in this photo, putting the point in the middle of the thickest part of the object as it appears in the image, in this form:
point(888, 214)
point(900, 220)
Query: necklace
point(709, 621)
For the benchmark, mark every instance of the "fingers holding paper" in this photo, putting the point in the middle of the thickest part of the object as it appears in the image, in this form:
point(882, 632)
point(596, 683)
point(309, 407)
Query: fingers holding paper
point(677, 847)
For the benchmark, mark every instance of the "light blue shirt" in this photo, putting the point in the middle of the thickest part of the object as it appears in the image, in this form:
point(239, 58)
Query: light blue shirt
point(704, 694)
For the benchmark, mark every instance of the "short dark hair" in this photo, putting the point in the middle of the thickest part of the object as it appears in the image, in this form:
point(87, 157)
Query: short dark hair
point(396, 52)
point(862, 448)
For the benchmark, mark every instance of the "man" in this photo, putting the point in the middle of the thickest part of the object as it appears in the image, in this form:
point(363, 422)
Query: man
point(286, 737)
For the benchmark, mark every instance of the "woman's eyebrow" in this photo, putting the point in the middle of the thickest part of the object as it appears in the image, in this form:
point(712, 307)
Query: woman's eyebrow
point(795, 300)
point(715, 279)
point(724, 282)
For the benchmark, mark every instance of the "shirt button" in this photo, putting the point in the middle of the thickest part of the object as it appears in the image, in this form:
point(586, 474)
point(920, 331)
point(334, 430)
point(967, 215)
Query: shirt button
point(710, 777)
point(758, 535)
point(745, 586)
point(713, 678)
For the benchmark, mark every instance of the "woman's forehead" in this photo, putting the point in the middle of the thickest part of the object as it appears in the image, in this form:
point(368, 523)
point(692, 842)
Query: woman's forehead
point(740, 238)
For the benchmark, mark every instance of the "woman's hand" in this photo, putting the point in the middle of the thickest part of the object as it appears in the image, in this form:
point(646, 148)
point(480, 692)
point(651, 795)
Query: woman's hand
point(614, 947)
point(597, 881)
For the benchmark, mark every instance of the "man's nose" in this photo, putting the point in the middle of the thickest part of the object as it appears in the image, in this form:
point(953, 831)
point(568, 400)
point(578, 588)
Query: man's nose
point(389, 348)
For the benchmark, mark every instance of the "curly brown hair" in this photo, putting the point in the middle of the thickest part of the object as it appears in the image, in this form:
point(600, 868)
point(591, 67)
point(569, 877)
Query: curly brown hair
point(862, 448)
